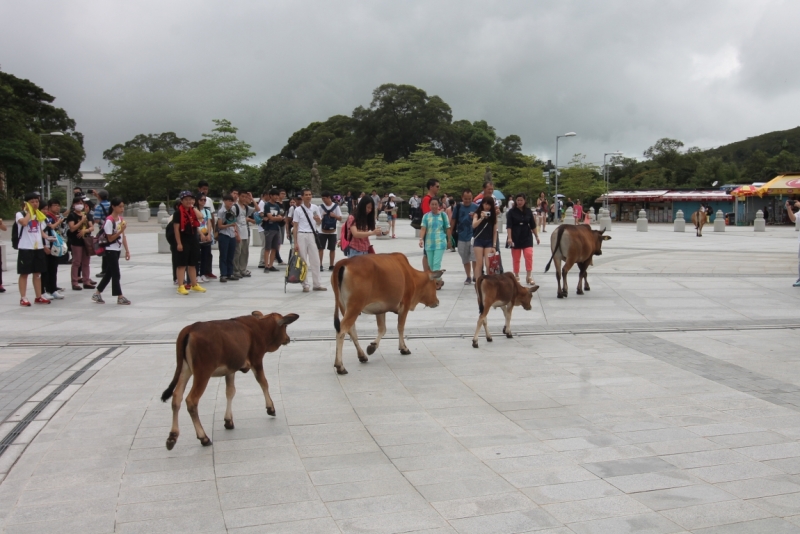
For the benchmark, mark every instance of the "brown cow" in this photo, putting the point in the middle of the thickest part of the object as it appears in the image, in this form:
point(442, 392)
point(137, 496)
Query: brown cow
point(220, 348)
point(574, 245)
point(699, 219)
point(500, 291)
point(377, 284)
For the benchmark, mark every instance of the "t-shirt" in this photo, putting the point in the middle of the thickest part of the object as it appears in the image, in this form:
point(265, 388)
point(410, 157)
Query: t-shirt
point(30, 235)
point(274, 209)
point(334, 211)
point(426, 204)
point(300, 219)
point(376, 200)
point(260, 210)
point(110, 227)
point(241, 220)
point(72, 237)
point(463, 217)
point(435, 230)
point(223, 218)
point(413, 202)
point(101, 211)
point(521, 223)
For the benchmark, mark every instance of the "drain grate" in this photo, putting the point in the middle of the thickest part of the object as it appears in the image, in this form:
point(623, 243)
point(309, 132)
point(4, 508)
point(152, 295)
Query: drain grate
point(39, 408)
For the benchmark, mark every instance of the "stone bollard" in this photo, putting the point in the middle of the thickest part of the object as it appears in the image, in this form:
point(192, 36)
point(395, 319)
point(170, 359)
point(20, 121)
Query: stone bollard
point(3, 258)
point(604, 220)
point(162, 214)
point(144, 211)
point(719, 221)
point(569, 216)
point(760, 225)
point(680, 223)
point(641, 222)
point(592, 216)
point(796, 223)
point(383, 223)
point(256, 237)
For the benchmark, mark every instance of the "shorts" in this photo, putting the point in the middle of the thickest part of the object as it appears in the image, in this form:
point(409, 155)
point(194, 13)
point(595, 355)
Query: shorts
point(483, 243)
point(190, 254)
point(31, 261)
point(466, 252)
point(389, 217)
point(272, 239)
point(326, 239)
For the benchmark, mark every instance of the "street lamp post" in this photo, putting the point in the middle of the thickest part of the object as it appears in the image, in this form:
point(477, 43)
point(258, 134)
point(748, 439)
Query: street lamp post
point(42, 159)
point(605, 174)
point(558, 211)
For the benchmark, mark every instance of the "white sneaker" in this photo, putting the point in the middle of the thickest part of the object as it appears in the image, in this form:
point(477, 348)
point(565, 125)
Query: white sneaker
point(48, 296)
point(57, 295)
point(202, 279)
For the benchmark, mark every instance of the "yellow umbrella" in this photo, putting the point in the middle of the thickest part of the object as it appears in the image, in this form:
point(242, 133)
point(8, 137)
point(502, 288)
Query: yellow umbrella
point(783, 184)
point(744, 191)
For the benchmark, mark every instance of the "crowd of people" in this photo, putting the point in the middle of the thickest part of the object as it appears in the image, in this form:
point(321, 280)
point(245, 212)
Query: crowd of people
point(90, 226)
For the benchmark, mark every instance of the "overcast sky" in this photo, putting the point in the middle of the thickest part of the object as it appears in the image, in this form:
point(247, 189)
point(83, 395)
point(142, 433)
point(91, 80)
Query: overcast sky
point(619, 73)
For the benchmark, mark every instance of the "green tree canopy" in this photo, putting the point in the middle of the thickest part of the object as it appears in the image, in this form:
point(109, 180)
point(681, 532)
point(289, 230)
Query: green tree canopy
point(26, 111)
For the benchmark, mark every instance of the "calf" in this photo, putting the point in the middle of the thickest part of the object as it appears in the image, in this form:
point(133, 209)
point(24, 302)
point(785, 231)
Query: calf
point(500, 291)
point(574, 245)
point(376, 284)
point(220, 348)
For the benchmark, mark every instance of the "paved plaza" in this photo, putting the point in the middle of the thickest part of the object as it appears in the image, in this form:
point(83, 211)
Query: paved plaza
point(665, 400)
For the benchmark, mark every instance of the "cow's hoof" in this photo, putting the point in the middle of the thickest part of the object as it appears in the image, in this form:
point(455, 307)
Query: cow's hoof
point(228, 424)
point(509, 335)
point(504, 329)
point(271, 411)
point(474, 344)
point(370, 350)
point(405, 352)
point(579, 292)
point(586, 288)
point(363, 359)
point(341, 371)
point(171, 440)
point(489, 339)
point(205, 442)
point(561, 295)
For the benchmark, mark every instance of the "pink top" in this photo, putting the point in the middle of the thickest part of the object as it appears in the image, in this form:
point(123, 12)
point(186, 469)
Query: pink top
point(360, 244)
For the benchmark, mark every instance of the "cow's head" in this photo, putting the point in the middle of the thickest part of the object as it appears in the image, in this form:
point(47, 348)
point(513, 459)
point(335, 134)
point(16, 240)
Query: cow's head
point(524, 296)
point(598, 241)
point(428, 291)
point(277, 329)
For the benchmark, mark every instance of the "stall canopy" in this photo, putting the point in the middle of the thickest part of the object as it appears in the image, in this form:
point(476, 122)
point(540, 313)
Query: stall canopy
point(634, 196)
point(696, 196)
point(745, 191)
point(783, 184)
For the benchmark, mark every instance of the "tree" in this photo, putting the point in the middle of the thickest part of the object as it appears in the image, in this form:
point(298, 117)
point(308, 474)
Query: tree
point(142, 167)
point(218, 158)
point(26, 111)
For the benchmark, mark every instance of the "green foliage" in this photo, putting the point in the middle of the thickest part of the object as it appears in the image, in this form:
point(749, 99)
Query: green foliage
point(399, 120)
point(26, 111)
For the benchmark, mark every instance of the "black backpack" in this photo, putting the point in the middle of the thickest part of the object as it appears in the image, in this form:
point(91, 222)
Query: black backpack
point(170, 231)
point(328, 222)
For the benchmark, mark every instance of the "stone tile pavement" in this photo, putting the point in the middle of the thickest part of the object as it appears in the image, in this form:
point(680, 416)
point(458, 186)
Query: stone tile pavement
point(663, 401)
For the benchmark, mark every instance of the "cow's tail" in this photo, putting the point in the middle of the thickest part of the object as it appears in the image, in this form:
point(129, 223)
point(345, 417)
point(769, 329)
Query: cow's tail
point(478, 285)
point(180, 352)
point(338, 275)
point(559, 233)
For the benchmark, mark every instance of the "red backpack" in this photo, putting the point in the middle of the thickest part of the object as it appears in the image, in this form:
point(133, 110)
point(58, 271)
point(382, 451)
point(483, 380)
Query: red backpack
point(345, 236)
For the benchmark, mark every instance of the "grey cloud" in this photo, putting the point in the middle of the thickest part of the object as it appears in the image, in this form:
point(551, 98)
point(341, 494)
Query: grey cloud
point(621, 74)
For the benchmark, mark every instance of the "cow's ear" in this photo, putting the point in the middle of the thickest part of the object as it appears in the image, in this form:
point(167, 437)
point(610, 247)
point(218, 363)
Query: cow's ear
point(288, 319)
point(436, 275)
point(606, 237)
point(257, 314)
point(533, 290)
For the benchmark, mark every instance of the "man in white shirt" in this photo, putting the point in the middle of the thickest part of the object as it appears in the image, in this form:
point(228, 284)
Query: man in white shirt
point(243, 220)
point(326, 229)
point(32, 248)
point(306, 217)
point(264, 200)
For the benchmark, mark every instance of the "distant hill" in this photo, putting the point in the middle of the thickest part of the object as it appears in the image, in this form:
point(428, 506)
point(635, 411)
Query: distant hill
point(771, 144)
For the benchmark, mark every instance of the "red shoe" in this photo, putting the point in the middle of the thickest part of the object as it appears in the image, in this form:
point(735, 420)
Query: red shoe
point(2, 289)
point(41, 300)
point(212, 276)
point(24, 302)
point(187, 286)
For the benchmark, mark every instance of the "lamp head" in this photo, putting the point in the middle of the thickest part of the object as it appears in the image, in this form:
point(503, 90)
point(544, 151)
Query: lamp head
point(55, 133)
point(570, 134)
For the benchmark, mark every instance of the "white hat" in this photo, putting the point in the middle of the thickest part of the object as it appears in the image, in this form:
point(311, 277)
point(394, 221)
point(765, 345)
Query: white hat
point(391, 194)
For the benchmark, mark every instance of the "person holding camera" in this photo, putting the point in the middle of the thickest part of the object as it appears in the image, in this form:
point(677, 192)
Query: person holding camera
point(792, 206)
point(484, 229)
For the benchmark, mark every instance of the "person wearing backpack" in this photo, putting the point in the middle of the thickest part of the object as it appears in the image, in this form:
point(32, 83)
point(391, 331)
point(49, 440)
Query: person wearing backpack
point(53, 225)
point(272, 216)
point(434, 235)
point(359, 226)
point(326, 235)
point(114, 229)
point(33, 248)
point(227, 236)
point(305, 239)
point(79, 225)
point(101, 211)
